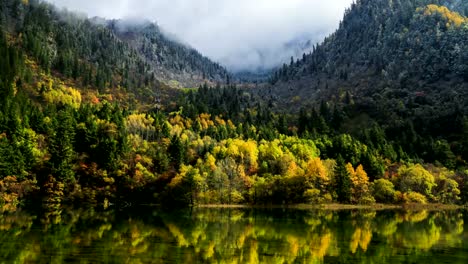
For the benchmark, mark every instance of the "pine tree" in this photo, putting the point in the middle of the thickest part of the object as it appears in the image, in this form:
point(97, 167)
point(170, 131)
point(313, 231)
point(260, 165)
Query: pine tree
point(176, 152)
point(342, 181)
point(61, 147)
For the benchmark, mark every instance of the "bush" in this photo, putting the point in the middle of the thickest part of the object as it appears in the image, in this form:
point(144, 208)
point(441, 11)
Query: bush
point(367, 200)
point(415, 197)
point(383, 191)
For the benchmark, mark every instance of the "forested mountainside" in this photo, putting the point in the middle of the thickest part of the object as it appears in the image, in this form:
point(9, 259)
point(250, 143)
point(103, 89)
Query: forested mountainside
point(105, 54)
point(401, 65)
point(76, 125)
point(404, 45)
point(169, 59)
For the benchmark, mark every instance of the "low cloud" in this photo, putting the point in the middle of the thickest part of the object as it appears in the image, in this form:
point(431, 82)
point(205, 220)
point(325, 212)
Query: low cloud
point(240, 34)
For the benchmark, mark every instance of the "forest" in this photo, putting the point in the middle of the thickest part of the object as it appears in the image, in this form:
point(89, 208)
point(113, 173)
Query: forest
point(80, 125)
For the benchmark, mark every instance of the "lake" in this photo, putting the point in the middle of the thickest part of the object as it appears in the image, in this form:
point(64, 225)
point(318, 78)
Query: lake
point(215, 235)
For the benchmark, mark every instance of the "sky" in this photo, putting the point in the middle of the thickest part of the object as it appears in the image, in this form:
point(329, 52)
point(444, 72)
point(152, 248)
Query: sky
point(239, 34)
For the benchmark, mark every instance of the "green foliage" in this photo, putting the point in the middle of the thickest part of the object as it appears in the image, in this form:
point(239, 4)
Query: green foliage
point(384, 191)
point(342, 182)
point(414, 178)
point(229, 144)
point(176, 152)
point(61, 147)
point(186, 185)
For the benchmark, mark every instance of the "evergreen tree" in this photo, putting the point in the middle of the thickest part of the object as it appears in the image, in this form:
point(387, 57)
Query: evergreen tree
point(176, 152)
point(61, 148)
point(342, 181)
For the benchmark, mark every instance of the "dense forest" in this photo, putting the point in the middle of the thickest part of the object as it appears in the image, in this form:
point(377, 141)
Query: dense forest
point(82, 121)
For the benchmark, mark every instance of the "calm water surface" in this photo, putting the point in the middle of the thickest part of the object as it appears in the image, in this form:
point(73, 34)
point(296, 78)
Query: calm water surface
point(148, 235)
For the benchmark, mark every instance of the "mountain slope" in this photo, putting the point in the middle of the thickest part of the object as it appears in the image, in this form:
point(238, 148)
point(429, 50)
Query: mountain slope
point(405, 44)
point(96, 55)
point(169, 59)
point(401, 65)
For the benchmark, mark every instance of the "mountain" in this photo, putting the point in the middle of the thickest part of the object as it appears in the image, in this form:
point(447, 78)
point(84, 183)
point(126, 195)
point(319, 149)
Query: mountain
point(384, 48)
point(169, 59)
point(269, 59)
point(400, 65)
point(109, 56)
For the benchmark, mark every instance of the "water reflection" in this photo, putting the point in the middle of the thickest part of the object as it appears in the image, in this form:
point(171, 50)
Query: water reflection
point(233, 236)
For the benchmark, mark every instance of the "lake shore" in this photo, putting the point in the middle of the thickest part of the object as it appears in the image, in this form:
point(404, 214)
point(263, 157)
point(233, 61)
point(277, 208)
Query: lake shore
point(431, 207)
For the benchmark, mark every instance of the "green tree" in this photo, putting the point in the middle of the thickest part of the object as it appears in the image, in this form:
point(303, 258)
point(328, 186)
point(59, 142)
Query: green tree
point(61, 148)
point(176, 152)
point(342, 181)
point(414, 178)
point(383, 191)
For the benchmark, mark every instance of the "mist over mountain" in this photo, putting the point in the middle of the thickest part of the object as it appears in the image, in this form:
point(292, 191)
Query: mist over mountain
point(241, 35)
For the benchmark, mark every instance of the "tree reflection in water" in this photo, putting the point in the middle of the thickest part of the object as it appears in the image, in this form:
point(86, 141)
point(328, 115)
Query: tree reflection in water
point(233, 236)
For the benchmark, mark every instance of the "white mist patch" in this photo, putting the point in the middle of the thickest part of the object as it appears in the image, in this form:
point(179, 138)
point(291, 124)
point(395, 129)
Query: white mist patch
point(240, 34)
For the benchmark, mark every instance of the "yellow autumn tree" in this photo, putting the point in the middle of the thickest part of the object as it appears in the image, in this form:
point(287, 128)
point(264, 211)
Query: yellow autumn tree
point(317, 173)
point(359, 185)
point(453, 18)
point(63, 95)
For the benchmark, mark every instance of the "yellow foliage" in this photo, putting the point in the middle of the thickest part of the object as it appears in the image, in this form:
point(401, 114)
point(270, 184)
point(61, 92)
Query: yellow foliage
point(64, 95)
point(205, 121)
point(453, 18)
point(175, 231)
point(219, 121)
point(316, 171)
point(359, 184)
point(293, 170)
point(415, 197)
point(270, 150)
point(362, 237)
point(320, 245)
point(107, 127)
point(137, 123)
point(177, 120)
point(245, 152)
point(211, 162)
point(144, 172)
point(231, 125)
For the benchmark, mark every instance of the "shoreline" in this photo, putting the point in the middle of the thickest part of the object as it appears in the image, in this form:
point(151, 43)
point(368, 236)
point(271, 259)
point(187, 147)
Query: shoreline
point(338, 207)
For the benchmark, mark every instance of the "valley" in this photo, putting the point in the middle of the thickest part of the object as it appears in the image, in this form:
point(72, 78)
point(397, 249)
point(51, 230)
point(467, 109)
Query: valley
point(106, 113)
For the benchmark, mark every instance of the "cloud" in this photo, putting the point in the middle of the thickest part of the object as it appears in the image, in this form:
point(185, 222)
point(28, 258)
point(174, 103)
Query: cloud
point(240, 34)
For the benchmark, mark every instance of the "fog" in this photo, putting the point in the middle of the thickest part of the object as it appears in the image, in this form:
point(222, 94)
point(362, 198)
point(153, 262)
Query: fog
point(239, 34)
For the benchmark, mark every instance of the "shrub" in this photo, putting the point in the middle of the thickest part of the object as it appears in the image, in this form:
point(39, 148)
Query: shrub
point(383, 191)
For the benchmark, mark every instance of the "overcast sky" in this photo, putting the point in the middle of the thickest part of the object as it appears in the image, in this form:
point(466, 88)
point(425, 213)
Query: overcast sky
point(240, 34)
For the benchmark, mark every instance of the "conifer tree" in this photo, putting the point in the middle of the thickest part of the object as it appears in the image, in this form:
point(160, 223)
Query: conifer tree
point(342, 181)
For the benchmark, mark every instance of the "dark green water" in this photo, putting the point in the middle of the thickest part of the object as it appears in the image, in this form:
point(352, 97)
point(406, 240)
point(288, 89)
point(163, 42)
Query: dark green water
point(145, 235)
